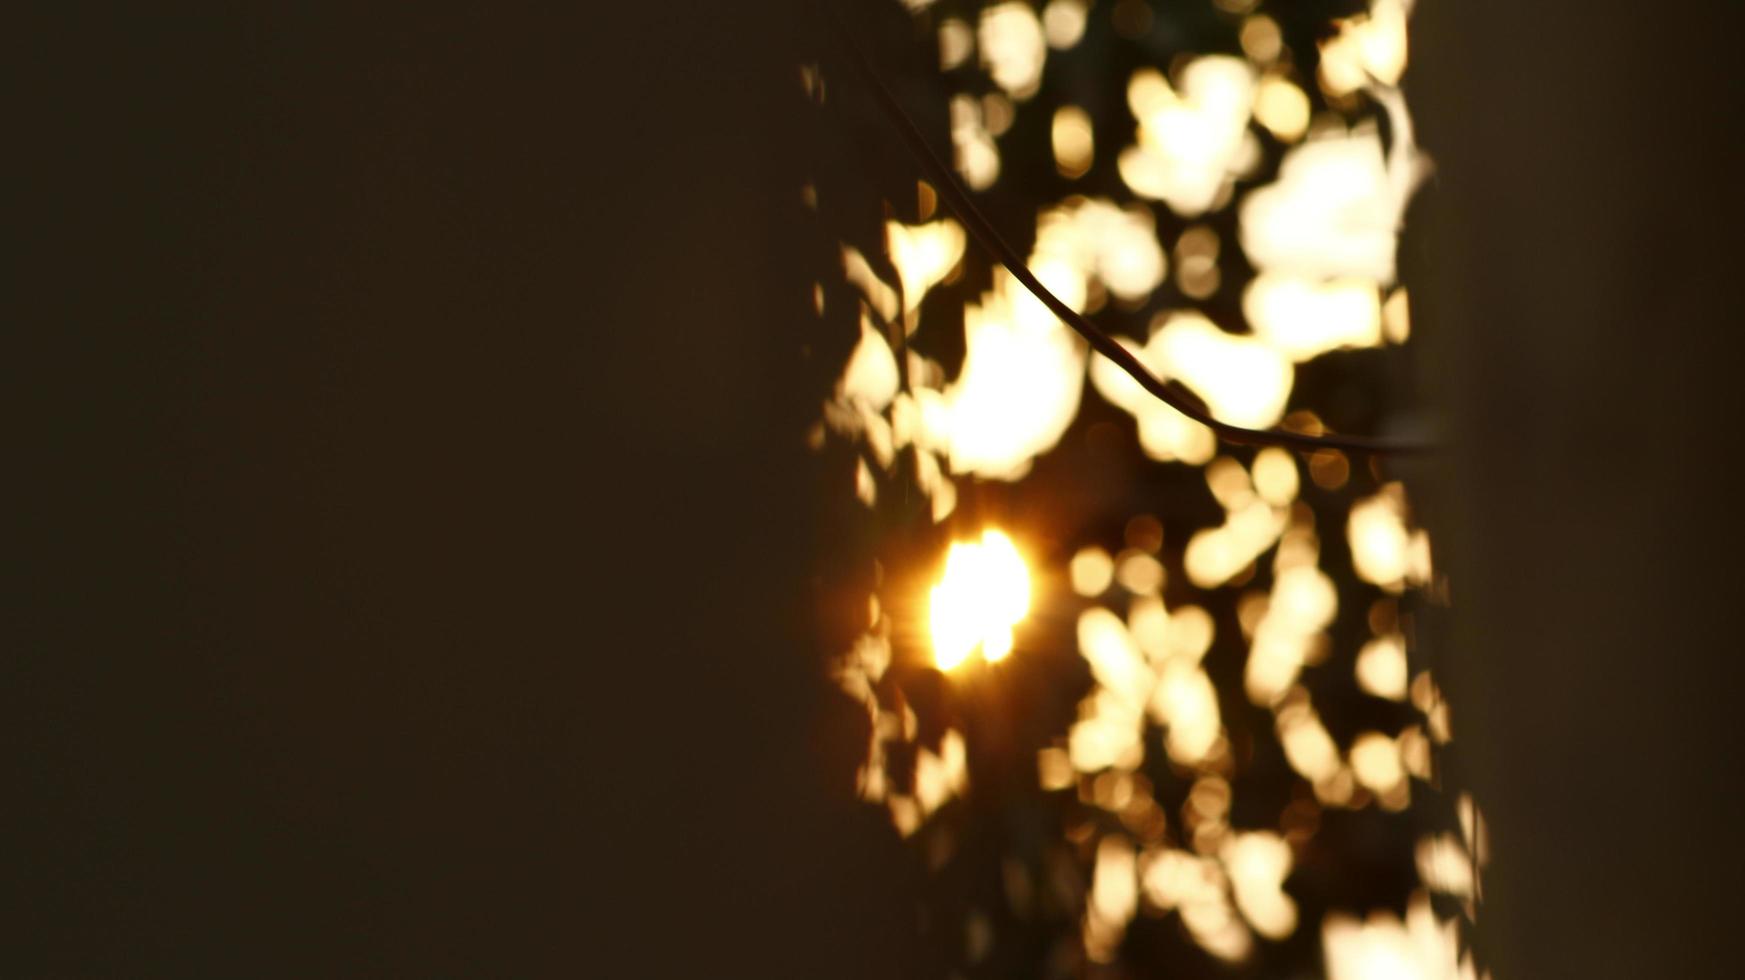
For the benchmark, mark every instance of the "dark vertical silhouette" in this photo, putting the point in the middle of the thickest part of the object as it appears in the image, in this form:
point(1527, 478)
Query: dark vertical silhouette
point(414, 577)
point(1575, 267)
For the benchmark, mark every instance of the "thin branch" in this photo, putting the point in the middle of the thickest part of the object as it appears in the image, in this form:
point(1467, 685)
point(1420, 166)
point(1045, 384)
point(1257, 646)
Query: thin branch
point(982, 230)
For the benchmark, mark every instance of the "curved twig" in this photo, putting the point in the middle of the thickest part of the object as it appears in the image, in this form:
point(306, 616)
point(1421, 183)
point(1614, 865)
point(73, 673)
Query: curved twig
point(982, 230)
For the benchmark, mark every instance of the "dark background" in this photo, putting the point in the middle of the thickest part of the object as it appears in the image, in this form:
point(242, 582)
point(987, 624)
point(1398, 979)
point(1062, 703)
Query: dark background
point(411, 575)
point(414, 579)
point(1575, 272)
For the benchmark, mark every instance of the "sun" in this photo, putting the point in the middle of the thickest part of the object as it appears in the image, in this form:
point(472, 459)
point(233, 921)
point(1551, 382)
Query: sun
point(983, 594)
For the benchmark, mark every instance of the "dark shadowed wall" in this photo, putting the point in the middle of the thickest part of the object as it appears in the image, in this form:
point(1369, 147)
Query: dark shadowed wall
point(415, 580)
point(1575, 268)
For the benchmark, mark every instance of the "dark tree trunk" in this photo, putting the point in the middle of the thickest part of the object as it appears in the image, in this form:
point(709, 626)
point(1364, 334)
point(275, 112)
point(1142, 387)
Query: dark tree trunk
point(1576, 271)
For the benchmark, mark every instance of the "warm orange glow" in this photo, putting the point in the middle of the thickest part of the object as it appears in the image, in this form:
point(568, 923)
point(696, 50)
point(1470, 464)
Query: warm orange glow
point(1063, 22)
point(1444, 865)
point(1308, 747)
point(1381, 667)
point(1375, 761)
point(1054, 769)
point(1114, 658)
point(1385, 948)
point(1286, 192)
point(1072, 140)
point(1244, 381)
point(1198, 888)
point(1305, 319)
point(1091, 571)
point(1261, 39)
point(1021, 379)
point(1396, 317)
point(1333, 212)
point(1383, 550)
point(1114, 896)
point(923, 254)
point(1282, 108)
point(984, 593)
point(1186, 702)
point(1148, 622)
point(1196, 262)
point(1108, 733)
point(1013, 48)
point(1190, 633)
point(1257, 864)
point(1215, 555)
point(1275, 476)
point(978, 159)
point(871, 375)
point(1369, 49)
point(1302, 604)
point(1164, 433)
point(1192, 138)
point(939, 777)
point(1114, 245)
point(956, 43)
point(1139, 573)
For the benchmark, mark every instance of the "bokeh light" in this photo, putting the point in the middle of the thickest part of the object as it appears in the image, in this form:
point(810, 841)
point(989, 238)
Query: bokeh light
point(984, 592)
point(1221, 653)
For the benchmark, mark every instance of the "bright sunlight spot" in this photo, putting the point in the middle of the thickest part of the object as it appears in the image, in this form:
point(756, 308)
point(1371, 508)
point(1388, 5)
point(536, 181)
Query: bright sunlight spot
point(984, 593)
